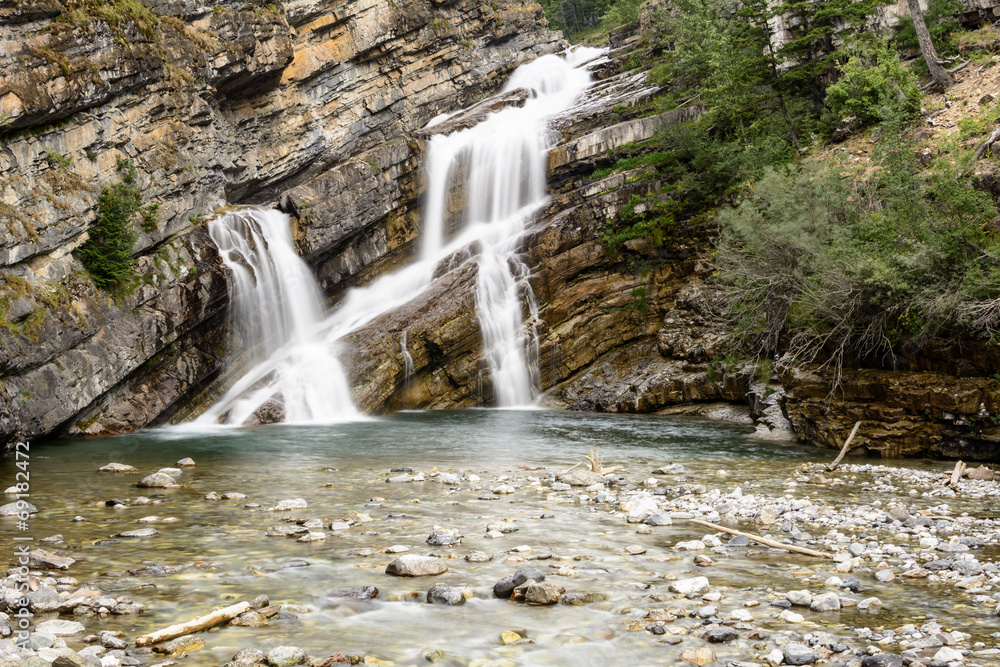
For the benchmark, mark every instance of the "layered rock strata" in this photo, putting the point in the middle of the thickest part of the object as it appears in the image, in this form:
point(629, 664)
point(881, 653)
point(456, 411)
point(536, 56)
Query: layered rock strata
point(233, 103)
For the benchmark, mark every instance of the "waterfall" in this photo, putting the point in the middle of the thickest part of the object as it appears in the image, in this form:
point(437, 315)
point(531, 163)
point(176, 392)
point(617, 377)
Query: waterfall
point(276, 312)
point(497, 171)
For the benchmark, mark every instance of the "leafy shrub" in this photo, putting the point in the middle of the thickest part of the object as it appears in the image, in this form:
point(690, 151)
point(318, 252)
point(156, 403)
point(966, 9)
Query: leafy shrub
point(873, 87)
point(830, 264)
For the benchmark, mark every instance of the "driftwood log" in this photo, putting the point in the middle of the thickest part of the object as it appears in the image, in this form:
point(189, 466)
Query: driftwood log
point(763, 540)
point(843, 451)
point(194, 625)
point(957, 474)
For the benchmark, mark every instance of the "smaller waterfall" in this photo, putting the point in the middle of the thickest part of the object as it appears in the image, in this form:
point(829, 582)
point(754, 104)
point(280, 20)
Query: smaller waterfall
point(407, 360)
point(276, 311)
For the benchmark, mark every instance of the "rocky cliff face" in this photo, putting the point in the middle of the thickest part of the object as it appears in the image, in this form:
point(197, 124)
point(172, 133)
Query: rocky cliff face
point(234, 103)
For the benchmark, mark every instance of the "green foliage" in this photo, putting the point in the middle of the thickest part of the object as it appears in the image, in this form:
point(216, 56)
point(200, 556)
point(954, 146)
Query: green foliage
point(653, 159)
point(107, 253)
point(823, 262)
point(58, 160)
point(622, 12)
point(150, 217)
point(873, 86)
point(650, 217)
point(575, 16)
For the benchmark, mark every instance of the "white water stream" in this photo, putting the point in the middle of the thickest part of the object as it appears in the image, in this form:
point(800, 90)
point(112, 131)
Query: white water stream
point(497, 169)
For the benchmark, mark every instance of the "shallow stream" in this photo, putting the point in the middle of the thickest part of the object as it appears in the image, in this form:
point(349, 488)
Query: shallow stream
point(222, 554)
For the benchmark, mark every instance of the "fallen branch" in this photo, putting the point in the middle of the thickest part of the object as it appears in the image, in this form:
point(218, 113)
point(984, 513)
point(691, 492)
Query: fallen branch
point(763, 540)
point(843, 451)
point(572, 467)
point(194, 625)
point(986, 144)
point(956, 474)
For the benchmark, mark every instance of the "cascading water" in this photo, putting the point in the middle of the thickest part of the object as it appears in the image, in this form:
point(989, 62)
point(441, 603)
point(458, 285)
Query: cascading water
point(497, 169)
point(276, 312)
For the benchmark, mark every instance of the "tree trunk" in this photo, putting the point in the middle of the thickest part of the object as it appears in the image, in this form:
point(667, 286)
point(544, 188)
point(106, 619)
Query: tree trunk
point(940, 75)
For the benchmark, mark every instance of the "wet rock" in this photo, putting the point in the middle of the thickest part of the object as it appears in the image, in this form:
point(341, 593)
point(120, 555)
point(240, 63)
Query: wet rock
point(412, 565)
point(70, 659)
point(870, 604)
point(658, 518)
point(882, 660)
point(478, 557)
point(505, 587)
point(982, 473)
point(825, 602)
point(111, 641)
point(118, 467)
point(233, 495)
point(313, 537)
point(692, 586)
point(158, 480)
point(357, 593)
point(286, 530)
point(44, 600)
point(286, 656)
point(635, 550)
point(38, 640)
point(443, 538)
point(140, 532)
point(288, 504)
point(789, 616)
point(250, 619)
point(698, 656)
point(947, 654)
point(250, 655)
point(640, 508)
point(13, 509)
point(505, 527)
point(580, 478)
point(719, 635)
point(185, 462)
point(539, 593)
point(799, 654)
point(39, 558)
point(445, 594)
point(60, 628)
point(151, 571)
point(181, 646)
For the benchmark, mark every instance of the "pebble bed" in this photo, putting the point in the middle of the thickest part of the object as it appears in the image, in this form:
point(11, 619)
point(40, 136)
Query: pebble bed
point(911, 578)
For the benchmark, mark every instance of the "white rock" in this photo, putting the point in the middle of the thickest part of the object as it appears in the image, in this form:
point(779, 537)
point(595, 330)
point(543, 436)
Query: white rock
point(118, 467)
point(639, 508)
point(799, 598)
point(690, 545)
point(397, 549)
point(170, 471)
point(289, 504)
point(690, 586)
point(789, 616)
point(312, 537)
point(946, 654)
point(59, 628)
point(741, 615)
point(775, 657)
